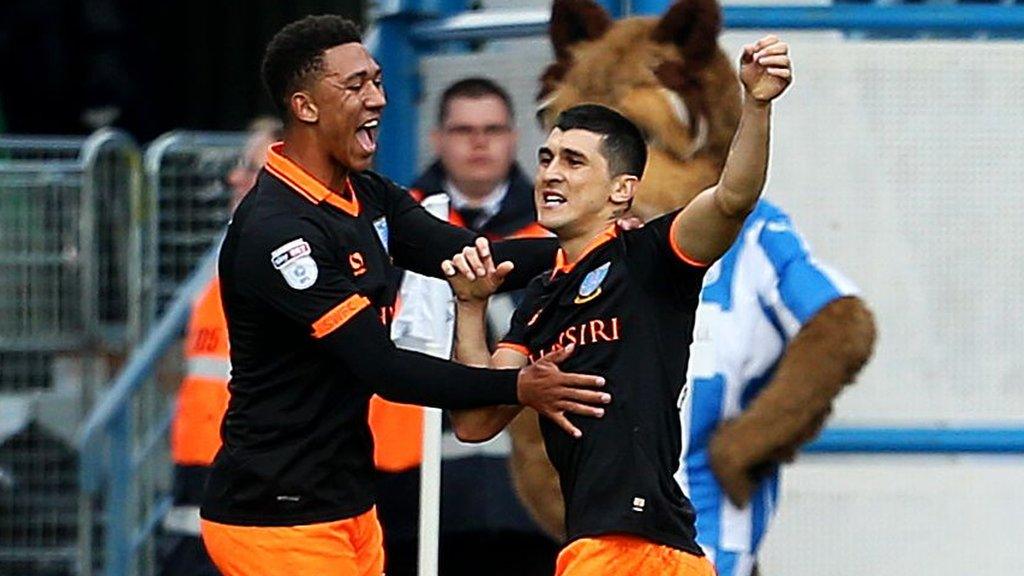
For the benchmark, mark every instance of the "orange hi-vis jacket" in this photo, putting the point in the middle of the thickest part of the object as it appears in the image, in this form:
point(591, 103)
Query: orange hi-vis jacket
point(203, 395)
point(397, 435)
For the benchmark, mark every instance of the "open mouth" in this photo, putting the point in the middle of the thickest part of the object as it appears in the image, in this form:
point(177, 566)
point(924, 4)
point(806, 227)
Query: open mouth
point(366, 134)
point(551, 199)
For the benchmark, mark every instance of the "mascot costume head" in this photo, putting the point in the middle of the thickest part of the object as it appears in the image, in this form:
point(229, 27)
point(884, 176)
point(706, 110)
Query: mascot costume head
point(666, 74)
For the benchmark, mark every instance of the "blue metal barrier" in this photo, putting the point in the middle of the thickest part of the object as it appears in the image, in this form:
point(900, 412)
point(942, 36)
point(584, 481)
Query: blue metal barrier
point(975, 440)
point(863, 17)
point(106, 452)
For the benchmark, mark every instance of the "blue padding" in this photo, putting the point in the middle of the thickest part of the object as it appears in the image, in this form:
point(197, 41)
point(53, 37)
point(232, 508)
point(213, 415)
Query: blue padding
point(919, 441)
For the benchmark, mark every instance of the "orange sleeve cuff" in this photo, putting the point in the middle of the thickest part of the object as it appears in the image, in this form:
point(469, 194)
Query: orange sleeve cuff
point(678, 251)
point(338, 315)
point(515, 348)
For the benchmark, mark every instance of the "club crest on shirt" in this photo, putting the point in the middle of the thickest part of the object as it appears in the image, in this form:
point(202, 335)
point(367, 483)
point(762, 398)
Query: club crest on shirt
point(590, 288)
point(295, 262)
point(381, 226)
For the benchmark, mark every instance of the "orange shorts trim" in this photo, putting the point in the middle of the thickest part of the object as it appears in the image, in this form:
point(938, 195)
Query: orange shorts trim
point(350, 547)
point(621, 554)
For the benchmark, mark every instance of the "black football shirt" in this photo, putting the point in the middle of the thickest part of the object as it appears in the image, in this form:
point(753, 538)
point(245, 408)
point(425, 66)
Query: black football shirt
point(628, 304)
point(308, 284)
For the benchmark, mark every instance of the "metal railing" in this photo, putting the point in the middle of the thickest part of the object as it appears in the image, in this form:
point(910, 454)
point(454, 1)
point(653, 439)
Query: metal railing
point(936, 440)
point(69, 228)
point(115, 450)
point(123, 445)
point(186, 173)
point(69, 231)
point(90, 245)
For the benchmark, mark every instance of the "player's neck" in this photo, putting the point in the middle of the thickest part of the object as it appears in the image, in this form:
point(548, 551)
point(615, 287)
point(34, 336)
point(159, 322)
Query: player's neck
point(575, 243)
point(302, 149)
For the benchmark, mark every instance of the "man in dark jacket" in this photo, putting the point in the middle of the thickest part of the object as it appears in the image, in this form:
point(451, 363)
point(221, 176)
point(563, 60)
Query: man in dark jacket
point(481, 517)
point(475, 144)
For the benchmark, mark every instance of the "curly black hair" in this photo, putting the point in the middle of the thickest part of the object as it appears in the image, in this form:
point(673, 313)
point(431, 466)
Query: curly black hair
point(296, 53)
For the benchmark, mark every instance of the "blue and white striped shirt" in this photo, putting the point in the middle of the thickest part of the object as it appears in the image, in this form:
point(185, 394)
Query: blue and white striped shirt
point(754, 300)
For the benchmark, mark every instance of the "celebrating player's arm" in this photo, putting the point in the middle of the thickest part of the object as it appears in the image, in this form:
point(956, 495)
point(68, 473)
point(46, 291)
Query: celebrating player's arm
point(474, 277)
point(706, 228)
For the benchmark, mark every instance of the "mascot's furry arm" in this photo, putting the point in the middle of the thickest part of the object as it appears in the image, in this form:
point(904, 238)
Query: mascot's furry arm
point(824, 356)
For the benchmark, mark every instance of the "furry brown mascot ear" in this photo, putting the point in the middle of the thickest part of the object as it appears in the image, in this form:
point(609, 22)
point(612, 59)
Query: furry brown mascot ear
point(572, 22)
point(693, 26)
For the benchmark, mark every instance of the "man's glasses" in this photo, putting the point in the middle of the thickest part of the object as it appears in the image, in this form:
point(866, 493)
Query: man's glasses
point(488, 131)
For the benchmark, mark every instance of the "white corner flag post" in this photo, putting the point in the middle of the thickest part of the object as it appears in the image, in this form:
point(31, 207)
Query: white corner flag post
point(425, 323)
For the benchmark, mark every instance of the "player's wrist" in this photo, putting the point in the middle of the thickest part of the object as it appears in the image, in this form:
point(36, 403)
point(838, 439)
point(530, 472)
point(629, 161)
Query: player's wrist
point(524, 387)
point(470, 305)
point(754, 104)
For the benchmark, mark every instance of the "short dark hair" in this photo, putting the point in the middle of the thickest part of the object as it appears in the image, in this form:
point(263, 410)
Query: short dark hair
point(623, 144)
point(475, 87)
point(296, 53)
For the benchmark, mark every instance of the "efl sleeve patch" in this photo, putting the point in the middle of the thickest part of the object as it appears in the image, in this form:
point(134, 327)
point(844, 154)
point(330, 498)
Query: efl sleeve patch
point(295, 262)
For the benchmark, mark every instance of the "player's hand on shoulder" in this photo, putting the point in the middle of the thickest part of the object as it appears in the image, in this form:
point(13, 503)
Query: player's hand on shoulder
point(765, 68)
point(630, 222)
point(472, 273)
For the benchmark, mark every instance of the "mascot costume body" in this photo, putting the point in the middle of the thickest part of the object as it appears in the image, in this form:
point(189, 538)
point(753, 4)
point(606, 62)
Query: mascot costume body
point(778, 334)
